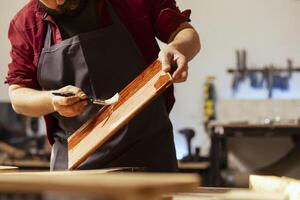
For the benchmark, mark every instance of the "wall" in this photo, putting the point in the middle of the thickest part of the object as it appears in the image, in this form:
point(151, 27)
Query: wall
point(268, 29)
point(7, 11)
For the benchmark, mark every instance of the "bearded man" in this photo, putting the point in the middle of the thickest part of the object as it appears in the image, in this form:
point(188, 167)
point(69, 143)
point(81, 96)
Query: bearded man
point(94, 48)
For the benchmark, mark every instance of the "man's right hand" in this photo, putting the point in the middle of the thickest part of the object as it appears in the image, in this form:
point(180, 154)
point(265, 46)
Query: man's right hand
point(70, 106)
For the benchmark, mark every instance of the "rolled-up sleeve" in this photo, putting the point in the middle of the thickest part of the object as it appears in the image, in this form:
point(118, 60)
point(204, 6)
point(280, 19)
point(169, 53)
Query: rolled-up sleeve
point(21, 70)
point(167, 18)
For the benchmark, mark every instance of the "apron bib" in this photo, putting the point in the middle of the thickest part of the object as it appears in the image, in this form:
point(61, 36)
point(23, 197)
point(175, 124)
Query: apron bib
point(102, 63)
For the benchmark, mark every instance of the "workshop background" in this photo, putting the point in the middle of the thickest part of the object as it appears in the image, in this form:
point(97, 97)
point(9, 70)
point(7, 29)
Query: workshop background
point(268, 30)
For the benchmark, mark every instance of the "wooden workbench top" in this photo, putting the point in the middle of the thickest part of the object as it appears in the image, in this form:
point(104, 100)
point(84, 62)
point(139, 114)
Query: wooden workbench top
point(227, 194)
point(118, 185)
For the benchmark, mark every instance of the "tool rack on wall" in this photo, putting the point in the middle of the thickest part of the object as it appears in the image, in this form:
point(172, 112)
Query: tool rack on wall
point(270, 76)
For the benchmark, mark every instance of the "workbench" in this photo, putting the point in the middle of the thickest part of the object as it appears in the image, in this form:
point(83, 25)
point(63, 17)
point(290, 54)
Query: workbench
point(205, 193)
point(200, 168)
point(111, 184)
point(200, 193)
point(28, 164)
point(97, 184)
point(8, 169)
point(220, 131)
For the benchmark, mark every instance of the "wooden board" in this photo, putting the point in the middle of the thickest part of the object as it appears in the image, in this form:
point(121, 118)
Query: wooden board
point(211, 193)
point(194, 165)
point(233, 195)
point(28, 163)
point(119, 185)
point(288, 186)
point(73, 172)
point(133, 98)
point(8, 169)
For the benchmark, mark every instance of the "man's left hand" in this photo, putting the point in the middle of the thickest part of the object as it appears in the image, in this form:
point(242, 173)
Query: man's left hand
point(170, 56)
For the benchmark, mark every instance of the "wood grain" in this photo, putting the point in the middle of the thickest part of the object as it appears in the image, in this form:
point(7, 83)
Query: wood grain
point(212, 193)
point(240, 194)
point(194, 165)
point(133, 98)
point(73, 172)
point(118, 185)
point(8, 169)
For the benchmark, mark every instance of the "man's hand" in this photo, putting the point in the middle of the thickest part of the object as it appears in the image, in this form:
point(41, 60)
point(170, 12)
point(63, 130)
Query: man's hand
point(70, 106)
point(184, 44)
point(170, 56)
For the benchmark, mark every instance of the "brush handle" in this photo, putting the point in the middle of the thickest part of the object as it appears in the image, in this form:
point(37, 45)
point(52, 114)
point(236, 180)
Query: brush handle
point(70, 94)
point(63, 94)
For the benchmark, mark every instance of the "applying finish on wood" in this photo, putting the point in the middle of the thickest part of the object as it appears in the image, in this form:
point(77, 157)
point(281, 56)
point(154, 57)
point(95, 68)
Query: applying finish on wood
point(132, 99)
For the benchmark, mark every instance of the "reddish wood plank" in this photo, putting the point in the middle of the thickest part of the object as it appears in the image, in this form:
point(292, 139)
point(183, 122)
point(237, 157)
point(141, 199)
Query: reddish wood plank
point(133, 98)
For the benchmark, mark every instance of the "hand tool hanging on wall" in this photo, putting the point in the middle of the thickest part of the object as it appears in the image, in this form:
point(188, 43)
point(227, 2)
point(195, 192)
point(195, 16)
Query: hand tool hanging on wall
point(240, 73)
point(275, 78)
point(270, 76)
point(256, 80)
point(281, 81)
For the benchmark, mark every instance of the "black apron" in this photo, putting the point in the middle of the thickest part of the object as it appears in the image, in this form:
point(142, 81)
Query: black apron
point(102, 63)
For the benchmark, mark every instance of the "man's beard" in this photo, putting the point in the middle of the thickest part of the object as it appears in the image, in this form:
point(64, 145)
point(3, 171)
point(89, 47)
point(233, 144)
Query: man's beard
point(69, 8)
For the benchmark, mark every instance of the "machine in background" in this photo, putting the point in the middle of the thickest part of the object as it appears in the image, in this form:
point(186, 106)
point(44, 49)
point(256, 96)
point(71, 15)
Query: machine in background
point(23, 141)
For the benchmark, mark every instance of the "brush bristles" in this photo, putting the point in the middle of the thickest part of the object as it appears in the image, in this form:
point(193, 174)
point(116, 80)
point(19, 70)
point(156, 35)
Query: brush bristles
point(113, 100)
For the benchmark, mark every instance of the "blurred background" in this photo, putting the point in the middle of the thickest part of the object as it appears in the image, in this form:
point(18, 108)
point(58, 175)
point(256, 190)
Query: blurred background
point(239, 111)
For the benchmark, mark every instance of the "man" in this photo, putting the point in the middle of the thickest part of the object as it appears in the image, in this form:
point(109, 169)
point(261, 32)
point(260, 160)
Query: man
point(94, 48)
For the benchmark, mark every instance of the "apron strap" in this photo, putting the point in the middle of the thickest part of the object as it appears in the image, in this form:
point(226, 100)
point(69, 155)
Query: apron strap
point(48, 38)
point(112, 13)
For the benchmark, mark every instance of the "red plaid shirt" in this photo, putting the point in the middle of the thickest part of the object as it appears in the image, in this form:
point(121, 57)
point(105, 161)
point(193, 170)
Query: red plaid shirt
point(145, 20)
